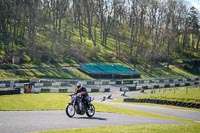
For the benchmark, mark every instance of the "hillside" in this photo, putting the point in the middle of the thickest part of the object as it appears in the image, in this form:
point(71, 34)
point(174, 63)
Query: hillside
point(49, 40)
point(60, 72)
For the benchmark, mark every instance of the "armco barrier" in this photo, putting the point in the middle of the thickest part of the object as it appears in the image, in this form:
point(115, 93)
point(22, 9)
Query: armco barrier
point(107, 90)
point(56, 84)
point(177, 85)
point(66, 90)
point(35, 90)
point(64, 84)
point(128, 82)
point(94, 90)
point(2, 85)
point(19, 85)
point(156, 86)
point(112, 83)
point(39, 84)
point(182, 84)
point(63, 91)
point(105, 82)
point(89, 89)
point(139, 87)
point(47, 84)
point(102, 82)
point(90, 82)
point(45, 90)
point(118, 82)
point(131, 88)
point(69, 90)
point(167, 85)
point(146, 84)
point(166, 102)
point(54, 90)
point(97, 82)
point(161, 85)
point(8, 92)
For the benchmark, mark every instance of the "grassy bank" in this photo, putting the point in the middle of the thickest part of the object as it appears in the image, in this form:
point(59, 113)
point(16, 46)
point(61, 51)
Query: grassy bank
point(142, 128)
point(186, 94)
point(65, 71)
point(53, 73)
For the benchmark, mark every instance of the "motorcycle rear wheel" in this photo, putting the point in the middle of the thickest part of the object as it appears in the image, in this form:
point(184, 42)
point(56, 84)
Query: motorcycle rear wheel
point(70, 110)
point(90, 110)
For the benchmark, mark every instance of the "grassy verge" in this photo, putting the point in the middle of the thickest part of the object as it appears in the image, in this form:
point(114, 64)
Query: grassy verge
point(185, 95)
point(58, 101)
point(160, 105)
point(43, 101)
point(179, 94)
point(142, 128)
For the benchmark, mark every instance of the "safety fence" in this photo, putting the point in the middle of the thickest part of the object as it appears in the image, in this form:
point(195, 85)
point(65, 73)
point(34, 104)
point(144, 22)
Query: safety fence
point(9, 92)
point(66, 90)
point(42, 83)
point(51, 90)
point(162, 85)
point(41, 86)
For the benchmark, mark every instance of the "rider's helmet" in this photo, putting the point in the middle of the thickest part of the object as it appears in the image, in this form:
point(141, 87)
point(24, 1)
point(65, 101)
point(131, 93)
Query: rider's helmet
point(79, 84)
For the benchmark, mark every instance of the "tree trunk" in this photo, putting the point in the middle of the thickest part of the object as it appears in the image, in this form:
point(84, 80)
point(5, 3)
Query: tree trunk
point(197, 45)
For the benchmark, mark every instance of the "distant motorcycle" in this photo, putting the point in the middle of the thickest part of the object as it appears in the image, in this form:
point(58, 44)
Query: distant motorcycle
point(77, 106)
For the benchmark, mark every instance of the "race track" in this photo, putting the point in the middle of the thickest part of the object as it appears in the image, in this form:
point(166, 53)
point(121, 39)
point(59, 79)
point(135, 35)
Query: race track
point(30, 121)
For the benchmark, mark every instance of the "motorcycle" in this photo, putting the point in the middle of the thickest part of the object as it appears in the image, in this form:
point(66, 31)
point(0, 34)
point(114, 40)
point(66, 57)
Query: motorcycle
point(79, 106)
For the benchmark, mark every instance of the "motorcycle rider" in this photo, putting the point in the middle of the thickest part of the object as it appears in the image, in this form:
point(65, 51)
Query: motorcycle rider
point(82, 92)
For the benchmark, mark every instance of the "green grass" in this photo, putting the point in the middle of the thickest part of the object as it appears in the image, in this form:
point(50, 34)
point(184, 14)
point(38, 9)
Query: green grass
point(58, 101)
point(73, 73)
point(39, 74)
point(172, 72)
point(184, 95)
point(44, 101)
point(141, 128)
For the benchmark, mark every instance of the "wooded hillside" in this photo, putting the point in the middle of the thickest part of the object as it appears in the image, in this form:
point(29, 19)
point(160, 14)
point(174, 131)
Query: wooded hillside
point(131, 31)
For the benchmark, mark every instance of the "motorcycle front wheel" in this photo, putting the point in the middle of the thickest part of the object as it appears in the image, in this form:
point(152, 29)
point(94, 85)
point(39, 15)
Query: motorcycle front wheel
point(90, 110)
point(70, 110)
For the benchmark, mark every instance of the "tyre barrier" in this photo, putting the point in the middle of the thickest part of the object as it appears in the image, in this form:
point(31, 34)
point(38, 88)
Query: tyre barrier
point(156, 86)
point(8, 92)
point(66, 90)
point(165, 102)
point(43, 83)
point(53, 90)
point(71, 90)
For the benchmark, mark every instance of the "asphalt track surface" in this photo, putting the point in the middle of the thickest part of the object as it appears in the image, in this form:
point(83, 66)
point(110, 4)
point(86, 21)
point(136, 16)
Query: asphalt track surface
point(31, 121)
point(181, 113)
point(186, 114)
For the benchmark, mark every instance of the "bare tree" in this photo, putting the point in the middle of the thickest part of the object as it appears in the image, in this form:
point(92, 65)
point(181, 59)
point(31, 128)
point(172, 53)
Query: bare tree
point(193, 25)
